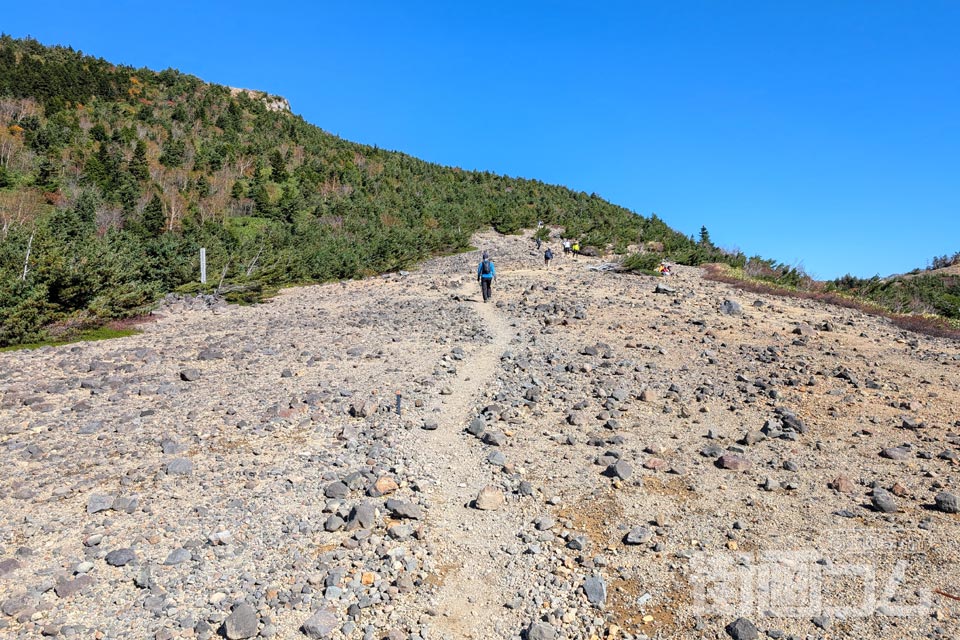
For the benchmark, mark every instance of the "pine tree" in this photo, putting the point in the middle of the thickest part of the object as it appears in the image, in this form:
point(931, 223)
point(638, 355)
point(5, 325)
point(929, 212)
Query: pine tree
point(278, 167)
point(705, 237)
point(154, 220)
point(138, 167)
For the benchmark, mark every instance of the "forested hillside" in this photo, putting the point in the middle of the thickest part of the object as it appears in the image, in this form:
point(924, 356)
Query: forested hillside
point(112, 178)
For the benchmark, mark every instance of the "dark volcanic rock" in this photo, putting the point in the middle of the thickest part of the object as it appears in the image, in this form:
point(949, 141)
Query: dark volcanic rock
point(67, 588)
point(596, 591)
point(620, 469)
point(120, 557)
point(947, 502)
point(403, 509)
point(337, 490)
point(242, 622)
point(895, 453)
point(476, 427)
point(742, 629)
point(882, 500)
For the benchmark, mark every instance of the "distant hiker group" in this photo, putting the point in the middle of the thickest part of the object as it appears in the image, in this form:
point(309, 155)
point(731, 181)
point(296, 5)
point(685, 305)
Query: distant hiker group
point(487, 271)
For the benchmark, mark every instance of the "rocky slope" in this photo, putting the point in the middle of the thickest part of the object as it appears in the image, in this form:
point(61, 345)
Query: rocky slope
point(589, 455)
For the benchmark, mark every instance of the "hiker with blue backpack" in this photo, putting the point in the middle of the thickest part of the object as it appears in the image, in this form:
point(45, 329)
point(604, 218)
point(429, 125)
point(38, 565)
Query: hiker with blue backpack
point(486, 272)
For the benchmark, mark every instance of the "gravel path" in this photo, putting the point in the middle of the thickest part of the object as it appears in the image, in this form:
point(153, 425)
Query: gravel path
point(468, 598)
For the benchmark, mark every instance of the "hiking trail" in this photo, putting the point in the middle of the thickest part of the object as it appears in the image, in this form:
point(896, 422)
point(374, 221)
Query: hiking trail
point(467, 601)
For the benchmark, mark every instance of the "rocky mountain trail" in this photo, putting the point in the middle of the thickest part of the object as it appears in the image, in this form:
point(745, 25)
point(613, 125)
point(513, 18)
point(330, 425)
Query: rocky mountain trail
point(580, 457)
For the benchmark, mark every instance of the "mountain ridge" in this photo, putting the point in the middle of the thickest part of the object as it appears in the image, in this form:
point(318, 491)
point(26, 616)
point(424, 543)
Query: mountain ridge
point(112, 178)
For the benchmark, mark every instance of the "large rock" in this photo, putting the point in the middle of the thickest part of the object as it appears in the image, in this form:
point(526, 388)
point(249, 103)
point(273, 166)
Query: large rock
point(364, 408)
point(490, 498)
point(242, 622)
point(8, 565)
point(98, 502)
point(403, 509)
point(362, 516)
point(494, 438)
point(638, 535)
point(947, 502)
point(731, 308)
point(804, 329)
point(843, 484)
point(18, 603)
point(337, 490)
point(895, 453)
point(67, 588)
point(120, 557)
point(476, 427)
point(321, 624)
point(333, 523)
point(742, 629)
point(734, 462)
point(179, 467)
point(384, 485)
point(178, 556)
point(620, 469)
point(596, 590)
point(541, 631)
point(882, 500)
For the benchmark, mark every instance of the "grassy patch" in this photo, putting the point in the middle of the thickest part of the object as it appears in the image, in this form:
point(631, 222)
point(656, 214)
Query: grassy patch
point(89, 335)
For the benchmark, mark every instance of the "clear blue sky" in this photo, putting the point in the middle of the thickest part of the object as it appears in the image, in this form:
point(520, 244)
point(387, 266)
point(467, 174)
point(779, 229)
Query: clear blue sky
point(821, 133)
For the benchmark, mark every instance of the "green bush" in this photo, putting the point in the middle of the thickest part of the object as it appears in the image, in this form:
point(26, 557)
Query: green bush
point(642, 262)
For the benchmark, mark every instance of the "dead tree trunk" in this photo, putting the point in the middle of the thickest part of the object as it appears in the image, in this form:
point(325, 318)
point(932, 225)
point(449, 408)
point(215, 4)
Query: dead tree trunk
point(26, 261)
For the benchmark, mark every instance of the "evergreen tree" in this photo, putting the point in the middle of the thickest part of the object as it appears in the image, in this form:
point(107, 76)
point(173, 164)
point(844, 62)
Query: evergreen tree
point(138, 166)
point(174, 152)
point(278, 167)
point(46, 175)
point(87, 209)
point(705, 237)
point(153, 222)
point(203, 186)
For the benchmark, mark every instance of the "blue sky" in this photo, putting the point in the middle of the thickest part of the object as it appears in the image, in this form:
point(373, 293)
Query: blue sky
point(822, 134)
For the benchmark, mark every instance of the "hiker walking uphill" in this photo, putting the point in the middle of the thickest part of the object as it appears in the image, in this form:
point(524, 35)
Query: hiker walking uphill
point(486, 272)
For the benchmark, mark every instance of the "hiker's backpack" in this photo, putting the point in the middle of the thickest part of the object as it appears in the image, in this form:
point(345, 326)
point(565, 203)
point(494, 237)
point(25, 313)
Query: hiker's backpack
point(485, 267)
point(548, 255)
